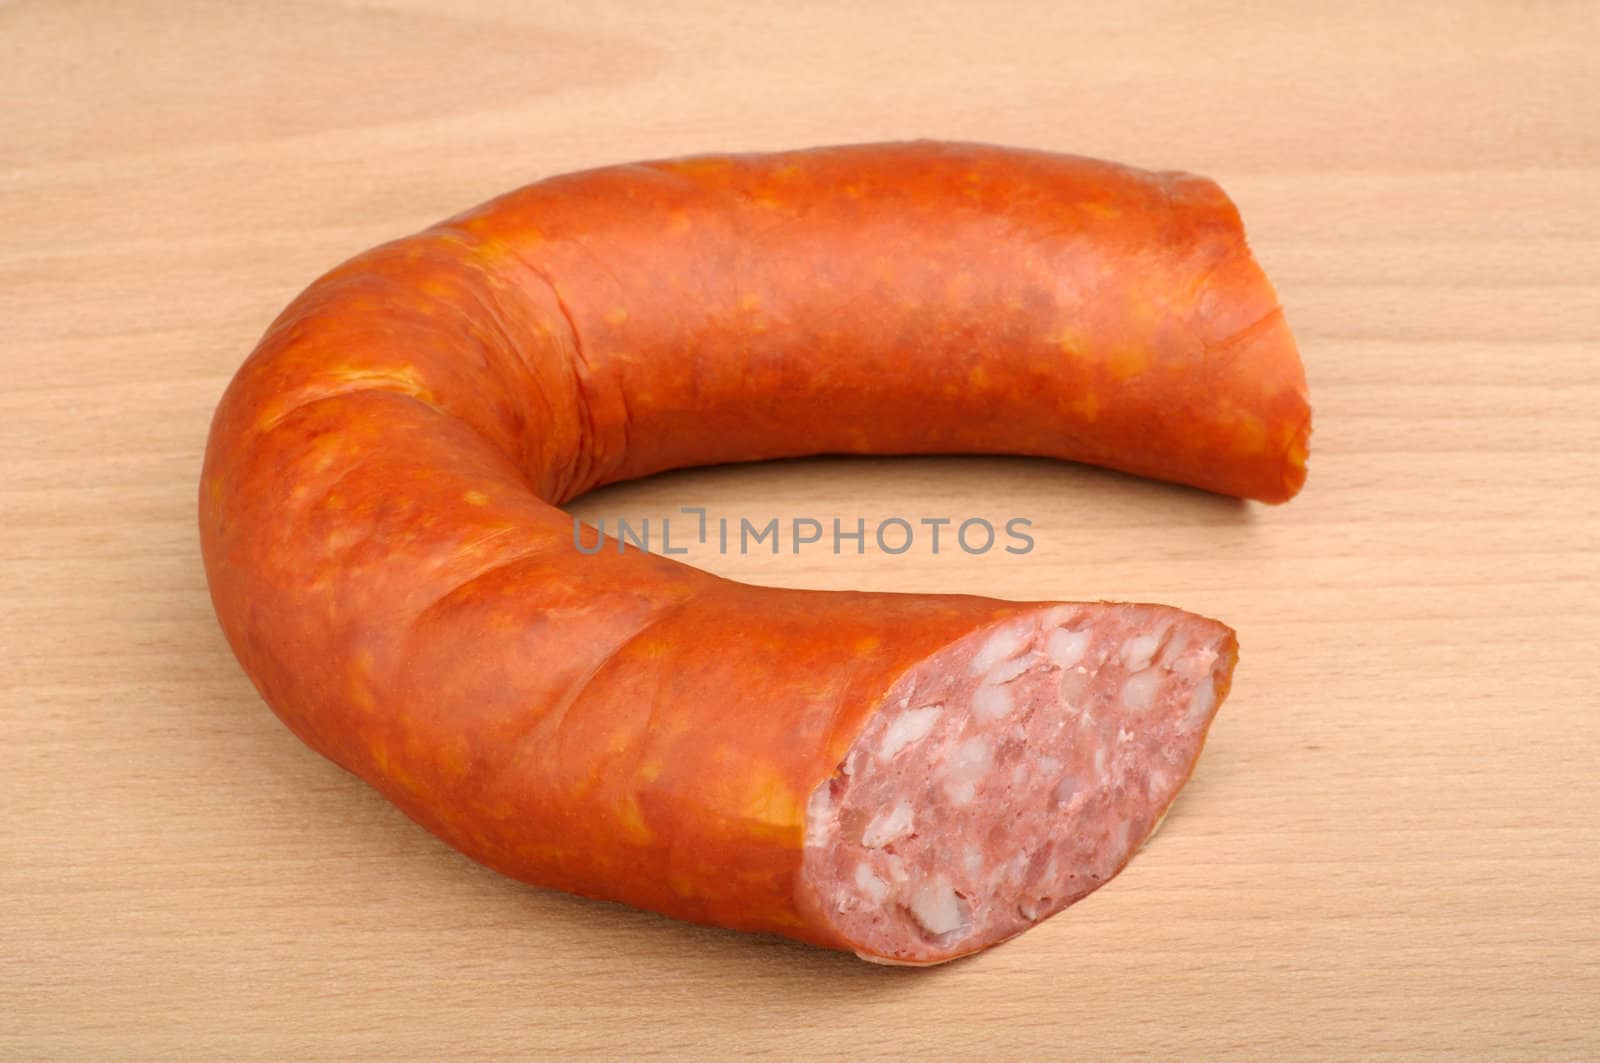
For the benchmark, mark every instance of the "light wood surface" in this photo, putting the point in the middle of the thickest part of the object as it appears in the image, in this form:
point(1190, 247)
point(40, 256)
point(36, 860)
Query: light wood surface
point(1390, 846)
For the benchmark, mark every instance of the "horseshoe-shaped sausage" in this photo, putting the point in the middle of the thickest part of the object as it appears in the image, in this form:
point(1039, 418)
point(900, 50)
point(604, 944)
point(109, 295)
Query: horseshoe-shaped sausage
point(912, 777)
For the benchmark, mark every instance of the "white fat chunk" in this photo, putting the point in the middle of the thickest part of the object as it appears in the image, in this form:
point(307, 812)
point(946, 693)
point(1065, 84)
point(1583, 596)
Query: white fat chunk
point(1119, 840)
point(970, 762)
point(1064, 790)
point(1196, 664)
point(1074, 685)
point(1002, 645)
point(1066, 648)
point(935, 905)
point(888, 827)
point(870, 884)
point(1139, 690)
point(1174, 649)
point(991, 702)
point(1007, 670)
point(1060, 616)
point(1139, 651)
point(906, 728)
point(1201, 703)
point(968, 765)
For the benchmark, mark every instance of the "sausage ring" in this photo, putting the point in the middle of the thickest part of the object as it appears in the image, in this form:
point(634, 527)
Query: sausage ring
point(912, 777)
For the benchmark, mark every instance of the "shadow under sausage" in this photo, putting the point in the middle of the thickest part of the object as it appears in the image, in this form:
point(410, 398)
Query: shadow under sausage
point(668, 948)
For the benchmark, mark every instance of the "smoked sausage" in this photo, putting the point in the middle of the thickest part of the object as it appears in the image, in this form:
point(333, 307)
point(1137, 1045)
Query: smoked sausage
point(912, 777)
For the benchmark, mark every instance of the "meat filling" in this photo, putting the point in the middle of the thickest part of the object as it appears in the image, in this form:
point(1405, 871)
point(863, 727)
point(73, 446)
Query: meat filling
point(1010, 775)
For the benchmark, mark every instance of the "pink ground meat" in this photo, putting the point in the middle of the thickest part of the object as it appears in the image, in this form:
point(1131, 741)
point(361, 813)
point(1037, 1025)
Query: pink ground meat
point(1010, 775)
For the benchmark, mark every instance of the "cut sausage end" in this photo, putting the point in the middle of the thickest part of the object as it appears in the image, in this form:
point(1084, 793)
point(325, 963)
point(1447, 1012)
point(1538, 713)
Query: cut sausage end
point(1062, 737)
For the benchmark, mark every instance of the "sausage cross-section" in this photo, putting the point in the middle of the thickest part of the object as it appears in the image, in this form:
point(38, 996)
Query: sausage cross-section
point(911, 777)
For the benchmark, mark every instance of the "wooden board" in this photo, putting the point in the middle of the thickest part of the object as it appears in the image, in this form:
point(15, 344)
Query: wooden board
point(1390, 848)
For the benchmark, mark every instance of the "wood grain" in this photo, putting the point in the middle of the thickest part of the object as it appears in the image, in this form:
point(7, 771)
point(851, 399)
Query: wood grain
point(1390, 848)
